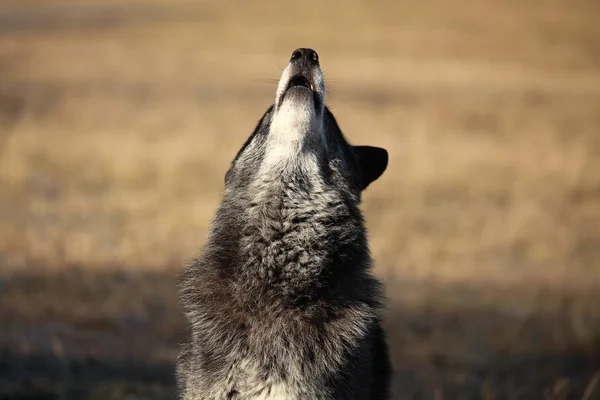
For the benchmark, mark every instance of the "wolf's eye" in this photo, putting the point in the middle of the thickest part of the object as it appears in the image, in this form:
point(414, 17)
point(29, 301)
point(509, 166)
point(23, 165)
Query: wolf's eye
point(296, 55)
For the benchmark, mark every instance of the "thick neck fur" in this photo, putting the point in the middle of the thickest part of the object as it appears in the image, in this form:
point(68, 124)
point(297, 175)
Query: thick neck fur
point(298, 230)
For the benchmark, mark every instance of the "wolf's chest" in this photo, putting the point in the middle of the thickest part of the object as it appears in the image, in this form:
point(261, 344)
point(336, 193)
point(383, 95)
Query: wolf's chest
point(272, 392)
point(247, 383)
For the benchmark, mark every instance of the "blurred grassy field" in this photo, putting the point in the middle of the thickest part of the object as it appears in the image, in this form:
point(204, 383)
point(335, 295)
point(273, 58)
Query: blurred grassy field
point(119, 119)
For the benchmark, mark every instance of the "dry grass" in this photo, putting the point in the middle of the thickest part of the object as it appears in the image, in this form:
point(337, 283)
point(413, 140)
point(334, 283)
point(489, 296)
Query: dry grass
point(118, 122)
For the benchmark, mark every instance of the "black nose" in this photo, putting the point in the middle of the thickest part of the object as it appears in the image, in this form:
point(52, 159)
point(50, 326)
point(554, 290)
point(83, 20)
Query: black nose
point(305, 55)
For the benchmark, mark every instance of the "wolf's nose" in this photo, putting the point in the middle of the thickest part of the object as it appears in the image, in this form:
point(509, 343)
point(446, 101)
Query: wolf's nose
point(305, 55)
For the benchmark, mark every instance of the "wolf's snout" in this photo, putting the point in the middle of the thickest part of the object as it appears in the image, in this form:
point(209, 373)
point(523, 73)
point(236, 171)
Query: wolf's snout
point(303, 79)
point(305, 56)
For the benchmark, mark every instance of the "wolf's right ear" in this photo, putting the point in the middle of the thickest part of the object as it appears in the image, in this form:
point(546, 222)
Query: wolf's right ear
point(372, 162)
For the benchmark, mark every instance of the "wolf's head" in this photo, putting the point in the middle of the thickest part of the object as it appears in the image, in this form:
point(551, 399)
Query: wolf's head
point(299, 141)
point(289, 222)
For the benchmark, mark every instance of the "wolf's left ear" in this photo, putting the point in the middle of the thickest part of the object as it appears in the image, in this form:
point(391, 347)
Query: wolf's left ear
point(372, 162)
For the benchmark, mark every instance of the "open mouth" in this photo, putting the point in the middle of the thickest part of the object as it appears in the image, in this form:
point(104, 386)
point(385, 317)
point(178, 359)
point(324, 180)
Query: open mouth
point(300, 81)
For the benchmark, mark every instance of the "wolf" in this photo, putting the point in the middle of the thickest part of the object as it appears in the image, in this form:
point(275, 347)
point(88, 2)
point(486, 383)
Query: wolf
point(281, 303)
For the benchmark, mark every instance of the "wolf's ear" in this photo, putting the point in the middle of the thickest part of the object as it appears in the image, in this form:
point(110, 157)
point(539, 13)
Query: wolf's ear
point(372, 162)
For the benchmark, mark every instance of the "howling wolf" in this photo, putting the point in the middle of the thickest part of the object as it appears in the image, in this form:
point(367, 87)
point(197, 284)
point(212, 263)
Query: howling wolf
point(281, 303)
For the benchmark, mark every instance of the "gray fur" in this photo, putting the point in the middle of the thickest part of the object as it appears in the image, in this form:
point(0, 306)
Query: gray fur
point(281, 303)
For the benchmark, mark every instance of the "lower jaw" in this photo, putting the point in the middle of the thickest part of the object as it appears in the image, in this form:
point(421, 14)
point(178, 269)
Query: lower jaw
point(316, 102)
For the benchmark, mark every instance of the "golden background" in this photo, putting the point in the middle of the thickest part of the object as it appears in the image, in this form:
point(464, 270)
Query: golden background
point(118, 120)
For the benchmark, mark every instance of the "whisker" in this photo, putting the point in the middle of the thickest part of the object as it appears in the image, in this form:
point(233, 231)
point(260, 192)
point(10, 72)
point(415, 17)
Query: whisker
point(329, 97)
point(266, 80)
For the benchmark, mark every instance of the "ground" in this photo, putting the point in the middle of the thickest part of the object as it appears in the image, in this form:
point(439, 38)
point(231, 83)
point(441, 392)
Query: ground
point(119, 119)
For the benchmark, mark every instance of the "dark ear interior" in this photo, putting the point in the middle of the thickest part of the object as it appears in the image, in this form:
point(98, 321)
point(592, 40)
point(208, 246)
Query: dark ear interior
point(372, 162)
